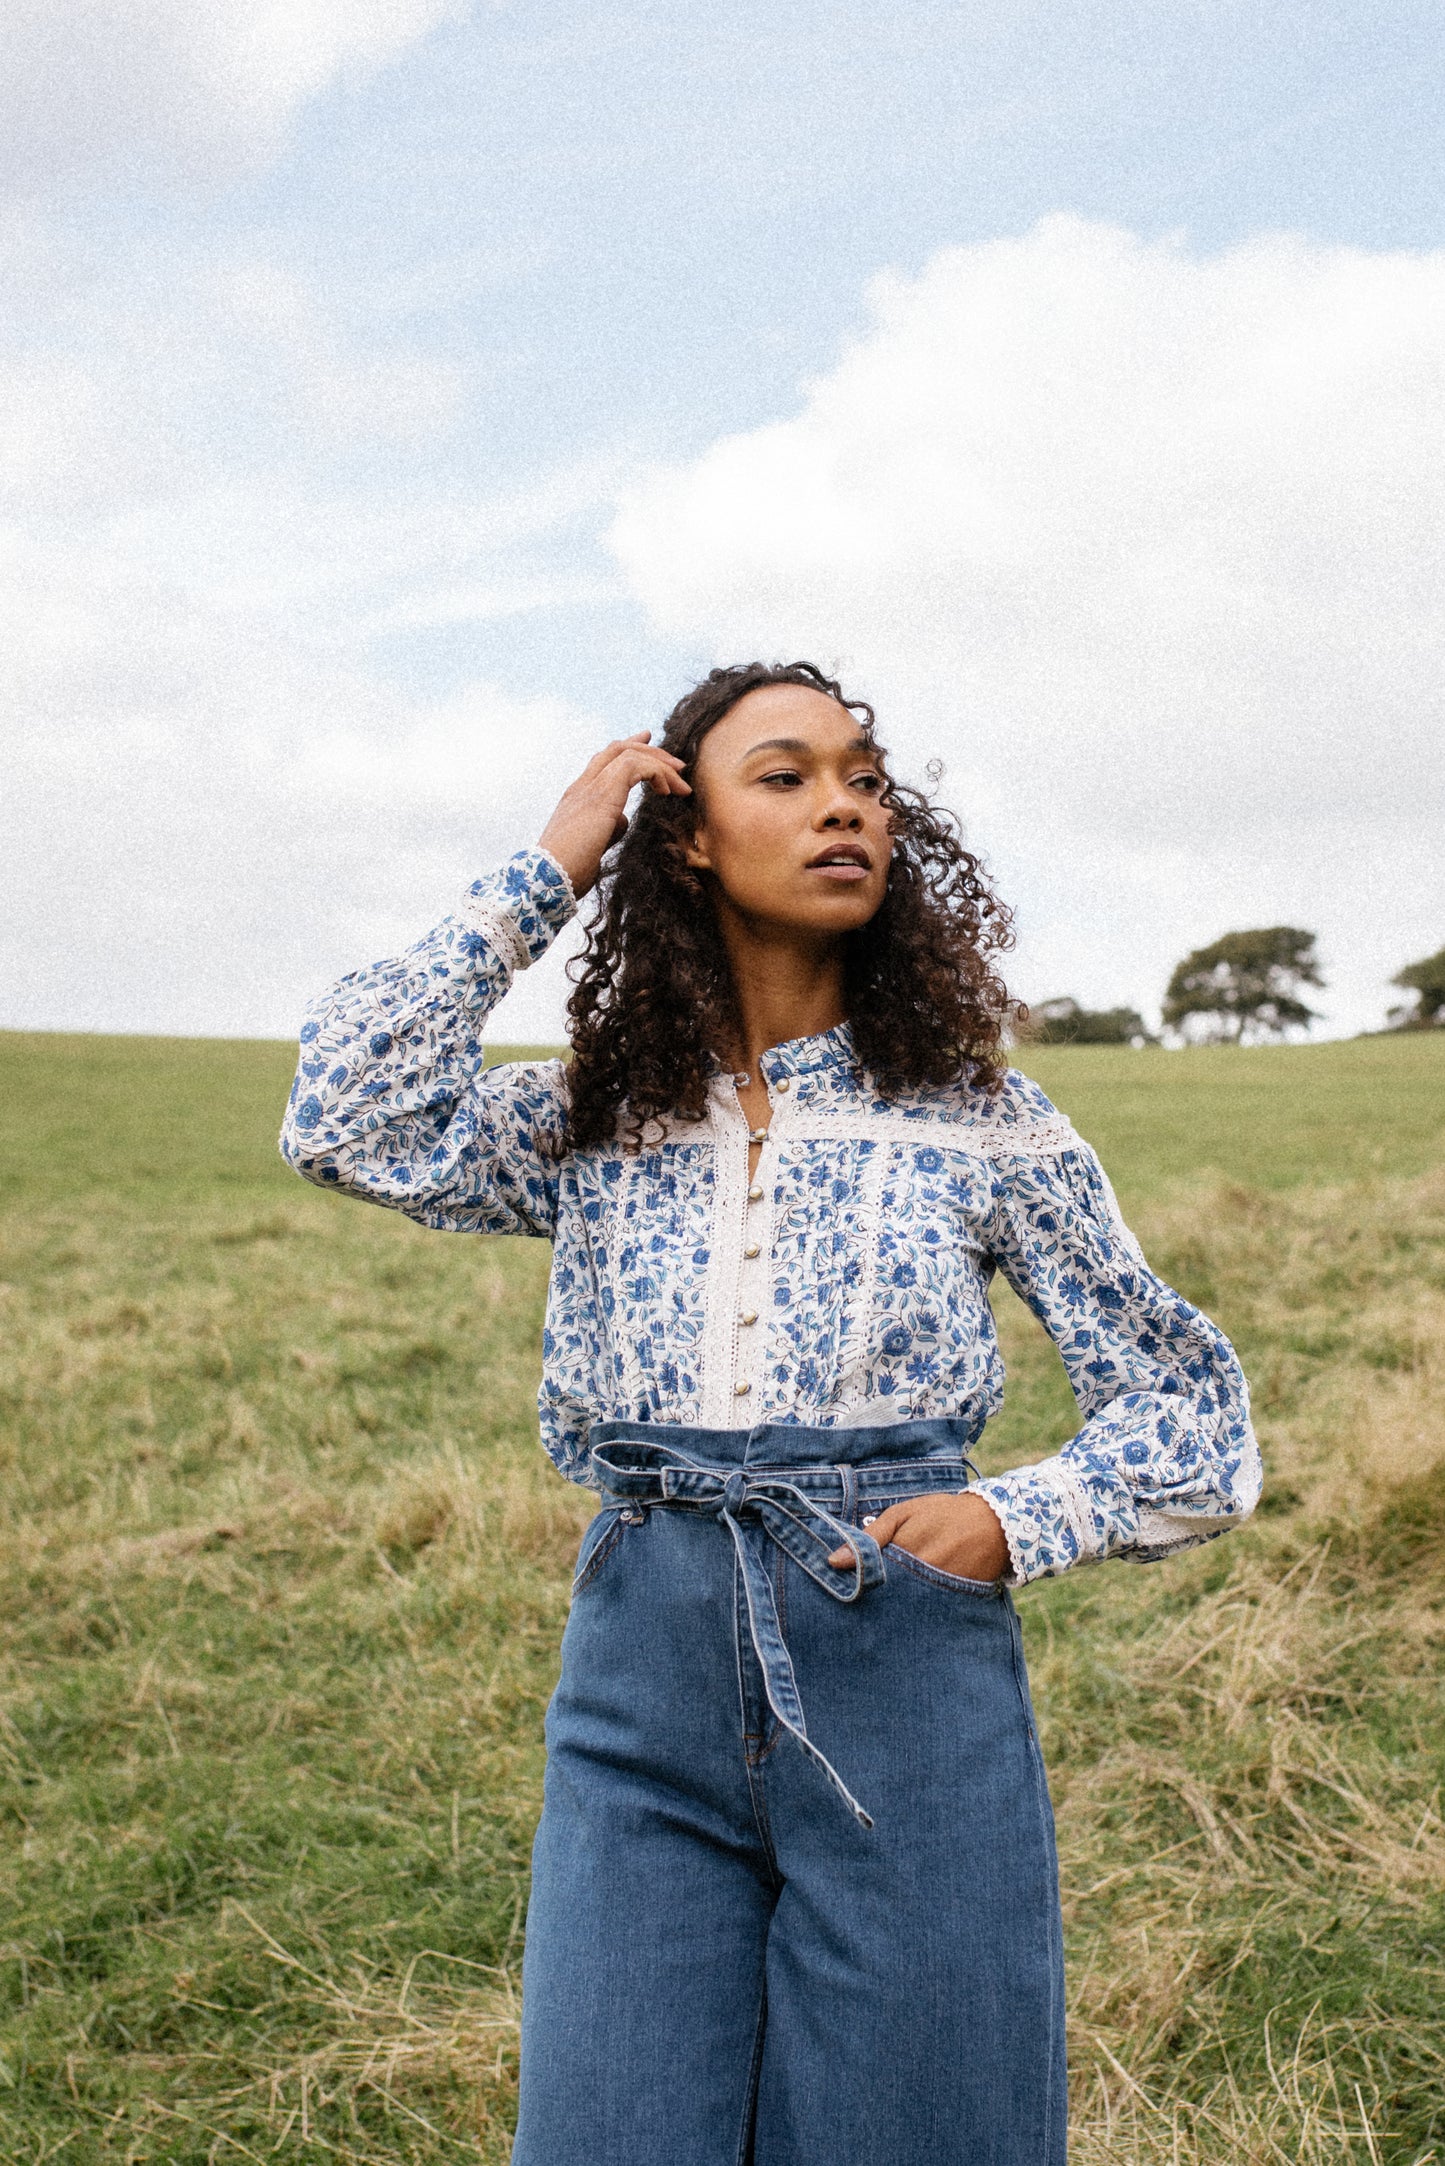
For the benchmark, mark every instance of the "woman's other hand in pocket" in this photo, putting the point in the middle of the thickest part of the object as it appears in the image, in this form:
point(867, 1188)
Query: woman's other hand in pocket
point(952, 1530)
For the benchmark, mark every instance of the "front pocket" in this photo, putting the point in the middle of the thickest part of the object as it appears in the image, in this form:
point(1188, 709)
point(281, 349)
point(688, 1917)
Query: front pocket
point(982, 1590)
point(601, 1537)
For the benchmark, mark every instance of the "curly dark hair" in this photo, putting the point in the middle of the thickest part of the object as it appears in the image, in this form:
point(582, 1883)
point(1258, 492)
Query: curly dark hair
point(654, 1009)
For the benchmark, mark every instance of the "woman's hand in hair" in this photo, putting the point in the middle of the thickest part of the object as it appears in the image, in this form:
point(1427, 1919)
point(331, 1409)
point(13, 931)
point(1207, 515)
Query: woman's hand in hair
point(949, 1529)
point(592, 813)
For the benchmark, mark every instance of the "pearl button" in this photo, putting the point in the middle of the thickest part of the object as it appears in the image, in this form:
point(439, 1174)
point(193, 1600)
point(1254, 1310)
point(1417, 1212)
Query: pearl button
point(755, 1195)
point(742, 1080)
point(751, 1249)
point(749, 1316)
point(781, 1084)
point(742, 1390)
point(759, 1135)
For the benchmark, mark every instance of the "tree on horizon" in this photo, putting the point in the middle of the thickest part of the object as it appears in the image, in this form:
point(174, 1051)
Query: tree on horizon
point(1426, 980)
point(1245, 984)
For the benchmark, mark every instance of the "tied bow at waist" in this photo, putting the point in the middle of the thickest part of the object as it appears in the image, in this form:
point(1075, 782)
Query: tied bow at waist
point(753, 1507)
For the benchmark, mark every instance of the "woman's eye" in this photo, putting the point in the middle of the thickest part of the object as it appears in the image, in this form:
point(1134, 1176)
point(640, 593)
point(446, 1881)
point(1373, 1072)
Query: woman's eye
point(790, 778)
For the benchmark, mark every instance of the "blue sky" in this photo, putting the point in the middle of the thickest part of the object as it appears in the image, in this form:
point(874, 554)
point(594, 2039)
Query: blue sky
point(403, 401)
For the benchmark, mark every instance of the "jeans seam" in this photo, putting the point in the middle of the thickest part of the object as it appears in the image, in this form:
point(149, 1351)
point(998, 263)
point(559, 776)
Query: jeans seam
point(1044, 1809)
point(750, 2092)
point(762, 1823)
point(599, 1556)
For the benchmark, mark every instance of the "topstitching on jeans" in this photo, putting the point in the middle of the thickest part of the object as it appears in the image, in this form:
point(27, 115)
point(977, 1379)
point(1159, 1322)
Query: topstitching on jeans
point(750, 2093)
point(606, 1543)
point(982, 1590)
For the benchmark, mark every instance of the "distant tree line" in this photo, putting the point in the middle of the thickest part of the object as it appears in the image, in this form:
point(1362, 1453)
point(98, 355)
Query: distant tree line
point(1064, 1022)
point(1245, 987)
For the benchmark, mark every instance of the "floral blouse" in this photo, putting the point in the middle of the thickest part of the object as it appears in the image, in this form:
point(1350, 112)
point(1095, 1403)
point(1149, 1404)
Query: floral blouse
point(845, 1284)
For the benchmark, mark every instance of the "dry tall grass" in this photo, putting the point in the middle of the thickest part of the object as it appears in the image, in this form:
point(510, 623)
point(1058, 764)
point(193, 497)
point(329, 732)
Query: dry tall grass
point(1251, 1823)
point(282, 1574)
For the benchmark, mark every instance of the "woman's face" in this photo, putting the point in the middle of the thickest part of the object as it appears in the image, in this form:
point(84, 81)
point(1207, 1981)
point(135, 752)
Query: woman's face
point(791, 826)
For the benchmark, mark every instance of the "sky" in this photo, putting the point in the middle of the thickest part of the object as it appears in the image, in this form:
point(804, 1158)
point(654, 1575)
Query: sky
point(403, 397)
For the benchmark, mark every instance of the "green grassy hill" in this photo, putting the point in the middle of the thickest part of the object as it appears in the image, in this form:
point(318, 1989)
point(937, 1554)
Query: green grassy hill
point(283, 1570)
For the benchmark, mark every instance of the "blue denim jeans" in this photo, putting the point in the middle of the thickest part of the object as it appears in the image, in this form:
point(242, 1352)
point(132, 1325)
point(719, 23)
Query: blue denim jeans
point(795, 1898)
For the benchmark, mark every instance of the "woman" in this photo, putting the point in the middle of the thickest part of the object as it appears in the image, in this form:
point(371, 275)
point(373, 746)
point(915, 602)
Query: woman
point(794, 1895)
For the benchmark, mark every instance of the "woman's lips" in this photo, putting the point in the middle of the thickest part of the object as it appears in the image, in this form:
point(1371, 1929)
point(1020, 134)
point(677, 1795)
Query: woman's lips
point(850, 863)
point(844, 869)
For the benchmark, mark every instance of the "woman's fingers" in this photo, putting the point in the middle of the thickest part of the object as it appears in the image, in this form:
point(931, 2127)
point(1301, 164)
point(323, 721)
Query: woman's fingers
point(627, 749)
point(592, 812)
point(883, 1527)
point(644, 762)
point(605, 753)
point(617, 772)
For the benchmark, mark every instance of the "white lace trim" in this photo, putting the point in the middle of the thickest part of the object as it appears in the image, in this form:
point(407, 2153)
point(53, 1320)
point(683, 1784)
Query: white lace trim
point(977, 1139)
point(1029, 1139)
point(1121, 1231)
point(1073, 1499)
point(1179, 1530)
point(498, 930)
point(729, 1136)
point(798, 1124)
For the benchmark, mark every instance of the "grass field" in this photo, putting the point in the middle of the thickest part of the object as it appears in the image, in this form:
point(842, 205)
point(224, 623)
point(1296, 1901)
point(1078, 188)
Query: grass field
point(283, 1571)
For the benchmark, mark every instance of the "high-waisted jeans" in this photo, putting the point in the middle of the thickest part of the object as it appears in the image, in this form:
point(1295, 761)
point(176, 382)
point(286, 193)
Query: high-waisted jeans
point(795, 1899)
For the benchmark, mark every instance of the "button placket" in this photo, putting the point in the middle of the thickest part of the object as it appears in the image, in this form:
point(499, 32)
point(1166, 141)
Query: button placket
point(731, 1379)
point(754, 1283)
point(746, 1336)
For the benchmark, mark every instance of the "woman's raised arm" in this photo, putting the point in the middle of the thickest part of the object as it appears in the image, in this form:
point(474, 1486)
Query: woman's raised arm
point(393, 1101)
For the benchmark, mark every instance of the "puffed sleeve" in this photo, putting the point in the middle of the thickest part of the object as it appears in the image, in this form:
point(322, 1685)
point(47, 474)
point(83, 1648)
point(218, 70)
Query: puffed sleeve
point(1166, 1456)
point(392, 1101)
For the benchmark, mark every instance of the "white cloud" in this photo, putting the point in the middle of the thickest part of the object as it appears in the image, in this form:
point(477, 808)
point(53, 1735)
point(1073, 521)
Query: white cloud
point(89, 85)
point(1149, 548)
point(213, 797)
point(202, 822)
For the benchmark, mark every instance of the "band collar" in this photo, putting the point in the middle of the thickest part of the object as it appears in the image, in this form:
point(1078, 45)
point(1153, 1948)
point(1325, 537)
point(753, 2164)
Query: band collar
point(808, 1056)
point(824, 1050)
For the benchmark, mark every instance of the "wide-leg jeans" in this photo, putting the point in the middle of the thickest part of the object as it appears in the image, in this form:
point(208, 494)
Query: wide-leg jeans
point(795, 1898)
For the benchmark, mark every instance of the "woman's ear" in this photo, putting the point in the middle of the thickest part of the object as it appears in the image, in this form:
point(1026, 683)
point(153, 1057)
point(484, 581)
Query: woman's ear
point(695, 855)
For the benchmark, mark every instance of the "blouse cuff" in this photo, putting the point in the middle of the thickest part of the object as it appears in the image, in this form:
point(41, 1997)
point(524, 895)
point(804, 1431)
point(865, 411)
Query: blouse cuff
point(521, 907)
point(1045, 1516)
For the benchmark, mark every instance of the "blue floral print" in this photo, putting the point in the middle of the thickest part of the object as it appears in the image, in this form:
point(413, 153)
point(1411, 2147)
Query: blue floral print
point(845, 1283)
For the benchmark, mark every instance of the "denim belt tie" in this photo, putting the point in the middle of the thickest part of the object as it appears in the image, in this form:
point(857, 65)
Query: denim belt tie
point(752, 1507)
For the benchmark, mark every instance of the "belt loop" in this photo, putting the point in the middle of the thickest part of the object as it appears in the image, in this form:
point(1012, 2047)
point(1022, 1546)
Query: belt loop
point(849, 1500)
